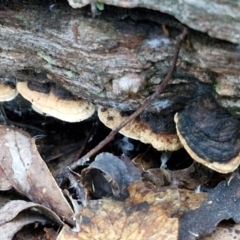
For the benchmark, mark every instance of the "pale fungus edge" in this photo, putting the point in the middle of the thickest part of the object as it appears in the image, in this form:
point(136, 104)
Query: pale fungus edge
point(219, 167)
point(7, 93)
point(50, 105)
point(161, 142)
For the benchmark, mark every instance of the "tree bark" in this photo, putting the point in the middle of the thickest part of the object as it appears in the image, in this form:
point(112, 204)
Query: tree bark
point(95, 58)
point(219, 19)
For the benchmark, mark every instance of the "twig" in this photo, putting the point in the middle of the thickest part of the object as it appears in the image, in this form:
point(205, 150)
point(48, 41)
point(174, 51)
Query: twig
point(147, 102)
point(75, 32)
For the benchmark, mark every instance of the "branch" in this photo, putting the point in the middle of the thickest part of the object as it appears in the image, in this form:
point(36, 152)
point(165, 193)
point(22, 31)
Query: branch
point(147, 102)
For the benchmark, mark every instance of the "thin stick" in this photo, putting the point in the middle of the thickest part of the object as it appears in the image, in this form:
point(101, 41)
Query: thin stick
point(147, 102)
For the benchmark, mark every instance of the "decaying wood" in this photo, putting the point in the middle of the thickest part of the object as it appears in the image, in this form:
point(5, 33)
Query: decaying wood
point(143, 107)
point(220, 19)
point(90, 57)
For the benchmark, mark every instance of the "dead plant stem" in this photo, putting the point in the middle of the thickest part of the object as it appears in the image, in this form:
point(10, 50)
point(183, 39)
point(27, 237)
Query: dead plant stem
point(147, 102)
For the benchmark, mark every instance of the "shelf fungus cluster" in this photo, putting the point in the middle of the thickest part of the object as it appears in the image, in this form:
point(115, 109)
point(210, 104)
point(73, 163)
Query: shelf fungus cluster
point(55, 101)
point(141, 129)
point(208, 132)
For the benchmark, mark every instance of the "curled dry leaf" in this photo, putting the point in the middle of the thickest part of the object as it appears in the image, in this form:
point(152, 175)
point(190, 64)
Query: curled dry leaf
point(10, 210)
point(133, 171)
point(28, 173)
point(146, 214)
point(12, 219)
point(107, 175)
point(8, 230)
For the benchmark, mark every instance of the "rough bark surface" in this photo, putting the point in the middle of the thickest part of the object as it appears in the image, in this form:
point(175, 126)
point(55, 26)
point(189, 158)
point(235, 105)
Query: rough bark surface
point(219, 18)
point(95, 58)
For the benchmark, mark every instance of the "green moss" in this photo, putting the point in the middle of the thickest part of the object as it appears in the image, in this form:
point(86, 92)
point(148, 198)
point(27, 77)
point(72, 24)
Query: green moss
point(100, 6)
point(216, 87)
point(48, 66)
point(70, 74)
point(19, 16)
point(45, 57)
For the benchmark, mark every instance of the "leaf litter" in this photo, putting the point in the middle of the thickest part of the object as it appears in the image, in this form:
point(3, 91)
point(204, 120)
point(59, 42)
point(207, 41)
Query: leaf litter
point(140, 216)
point(13, 216)
point(147, 210)
point(222, 203)
point(134, 217)
point(28, 173)
point(108, 176)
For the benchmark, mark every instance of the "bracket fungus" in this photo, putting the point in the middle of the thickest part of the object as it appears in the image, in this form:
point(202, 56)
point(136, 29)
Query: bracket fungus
point(52, 104)
point(7, 92)
point(140, 130)
point(210, 134)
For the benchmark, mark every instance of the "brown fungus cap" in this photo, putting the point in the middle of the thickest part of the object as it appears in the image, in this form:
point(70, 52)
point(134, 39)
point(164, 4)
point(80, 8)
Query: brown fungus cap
point(210, 134)
point(7, 92)
point(50, 104)
point(139, 130)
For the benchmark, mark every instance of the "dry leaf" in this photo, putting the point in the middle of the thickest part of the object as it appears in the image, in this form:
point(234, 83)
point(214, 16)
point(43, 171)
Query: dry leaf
point(191, 176)
point(13, 216)
point(107, 176)
point(58, 166)
point(10, 210)
point(230, 233)
point(50, 234)
point(222, 203)
point(146, 214)
point(28, 173)
point(8, 230)
point(133, 171)
point(147, 160)
point(32, 232)
point(191, 199)
point(4, 183)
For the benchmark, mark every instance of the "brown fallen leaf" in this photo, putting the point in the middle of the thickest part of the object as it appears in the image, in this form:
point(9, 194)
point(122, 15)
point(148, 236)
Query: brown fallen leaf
point(189, 177)
point(4, 183)
point(147, 160)
point(50, 234)
point(230, 233)
point(28, 173)
point(11, 209)
point(146, 214)
point(8, 230)
point(16, 214)
point(190, 199)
